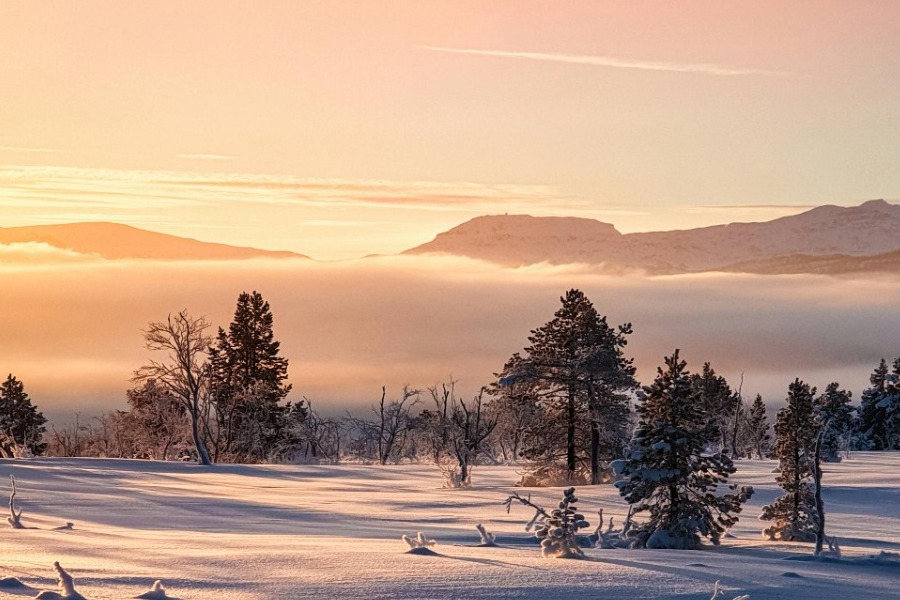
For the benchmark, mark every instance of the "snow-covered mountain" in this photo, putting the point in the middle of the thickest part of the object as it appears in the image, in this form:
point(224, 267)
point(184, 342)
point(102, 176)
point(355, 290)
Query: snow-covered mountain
point(839, 233)
point(115, 241)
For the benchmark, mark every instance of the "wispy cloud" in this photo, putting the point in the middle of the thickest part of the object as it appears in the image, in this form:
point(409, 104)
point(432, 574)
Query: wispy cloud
point(23, 150)
point(613, 62)
point(207, 156)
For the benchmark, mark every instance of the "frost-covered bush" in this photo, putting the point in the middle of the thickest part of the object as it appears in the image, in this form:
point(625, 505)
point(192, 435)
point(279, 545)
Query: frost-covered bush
point(717, 591)
point(668, 473)
point(66, 586)
point(420, 541)
point(487, 538)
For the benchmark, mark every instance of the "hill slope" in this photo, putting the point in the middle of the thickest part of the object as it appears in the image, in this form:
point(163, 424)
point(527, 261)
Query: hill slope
point(866, 230)
point(114, 241)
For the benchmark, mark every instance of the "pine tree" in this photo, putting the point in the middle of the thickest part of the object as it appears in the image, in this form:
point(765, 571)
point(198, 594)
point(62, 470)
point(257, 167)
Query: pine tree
point(248, 383)
point(576, 367)
point(668, 472)
point(796, 429)
point(758, 428)
point(879, 410)
point(718, 401)
point(835, 416)
point(21, 423)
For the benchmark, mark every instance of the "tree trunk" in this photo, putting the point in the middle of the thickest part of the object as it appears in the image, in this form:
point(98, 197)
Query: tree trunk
point(820, 505)
point(570, 432)
point(199, 444)
point(595, 452)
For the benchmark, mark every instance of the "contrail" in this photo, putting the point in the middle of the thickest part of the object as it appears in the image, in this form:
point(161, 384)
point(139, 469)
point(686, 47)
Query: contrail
point(616, 63)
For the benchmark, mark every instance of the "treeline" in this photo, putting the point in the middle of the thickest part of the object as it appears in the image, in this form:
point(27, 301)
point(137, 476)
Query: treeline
point(565, 406)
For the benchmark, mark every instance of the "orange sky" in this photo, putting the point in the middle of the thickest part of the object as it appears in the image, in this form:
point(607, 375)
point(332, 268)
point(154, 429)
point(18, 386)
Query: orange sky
point(419, 115)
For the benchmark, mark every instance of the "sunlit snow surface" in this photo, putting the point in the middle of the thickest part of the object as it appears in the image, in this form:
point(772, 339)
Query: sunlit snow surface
point(334, 532)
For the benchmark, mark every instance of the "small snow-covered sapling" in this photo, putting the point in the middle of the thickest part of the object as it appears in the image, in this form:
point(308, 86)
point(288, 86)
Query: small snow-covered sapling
point(420, 541)
point(15, 518)
point(66, 586)
point(558, 529)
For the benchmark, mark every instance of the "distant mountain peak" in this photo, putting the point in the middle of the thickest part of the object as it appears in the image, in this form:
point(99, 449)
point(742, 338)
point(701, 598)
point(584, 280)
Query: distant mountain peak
point(869, 229)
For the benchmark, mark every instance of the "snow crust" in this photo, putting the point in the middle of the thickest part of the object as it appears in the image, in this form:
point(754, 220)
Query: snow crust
point(273, 532)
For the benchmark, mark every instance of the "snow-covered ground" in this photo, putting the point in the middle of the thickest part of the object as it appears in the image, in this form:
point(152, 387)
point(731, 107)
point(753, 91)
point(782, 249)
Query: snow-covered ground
point(272, 532)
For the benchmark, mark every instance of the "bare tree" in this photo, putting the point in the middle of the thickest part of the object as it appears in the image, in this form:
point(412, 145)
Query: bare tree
point(389, 432)
point(184, 372)
point(317, 437)
point(456, 432)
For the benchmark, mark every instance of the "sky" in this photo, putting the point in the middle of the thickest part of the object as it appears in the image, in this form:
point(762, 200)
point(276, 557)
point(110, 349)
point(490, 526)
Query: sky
point(340, 129)
point(344, 129)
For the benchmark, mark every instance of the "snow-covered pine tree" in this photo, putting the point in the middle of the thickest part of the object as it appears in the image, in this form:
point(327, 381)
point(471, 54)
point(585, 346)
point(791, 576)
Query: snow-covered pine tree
point(879, 410)
point(21, 423)
point(835, 416)
point(668, 472)
point(557, 529)
point(794, 514)
point(758, 428)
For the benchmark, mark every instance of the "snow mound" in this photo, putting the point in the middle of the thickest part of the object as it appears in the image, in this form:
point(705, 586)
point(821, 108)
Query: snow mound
point(156, 592)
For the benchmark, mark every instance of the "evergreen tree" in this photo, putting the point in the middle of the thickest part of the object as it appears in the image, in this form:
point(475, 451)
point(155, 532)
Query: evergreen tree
point(668, 472)
point(794, 513)
point(576, 367)
point(248, 383)
point(21, 423)
point(718, 401)
point(835, 416)
point(758, 428)
point(879, 410)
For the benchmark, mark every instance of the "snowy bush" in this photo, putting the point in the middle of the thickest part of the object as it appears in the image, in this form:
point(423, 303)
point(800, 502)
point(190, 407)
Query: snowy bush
point(420, 541)
point(487, 538)
point(66, 587)
point(717, 591)
point(156, 592)
point(558, 529)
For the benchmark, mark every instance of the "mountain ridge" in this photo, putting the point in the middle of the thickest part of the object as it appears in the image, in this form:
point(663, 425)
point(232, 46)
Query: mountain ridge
point(867, 230)
point(115, 241)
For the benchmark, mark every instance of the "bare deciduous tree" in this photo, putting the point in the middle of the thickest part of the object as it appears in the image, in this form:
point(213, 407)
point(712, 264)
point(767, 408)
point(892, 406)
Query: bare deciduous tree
point(184, 372)
point(390, 430)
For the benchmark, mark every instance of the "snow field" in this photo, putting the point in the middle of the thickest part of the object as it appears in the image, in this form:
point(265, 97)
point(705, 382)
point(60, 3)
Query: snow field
point(278, 531)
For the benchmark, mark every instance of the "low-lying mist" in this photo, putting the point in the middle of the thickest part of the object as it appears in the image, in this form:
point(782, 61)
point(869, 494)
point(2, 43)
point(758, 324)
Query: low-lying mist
point(72, 331)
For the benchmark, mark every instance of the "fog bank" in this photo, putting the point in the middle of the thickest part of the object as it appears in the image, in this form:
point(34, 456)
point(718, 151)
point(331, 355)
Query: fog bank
point(72, 331)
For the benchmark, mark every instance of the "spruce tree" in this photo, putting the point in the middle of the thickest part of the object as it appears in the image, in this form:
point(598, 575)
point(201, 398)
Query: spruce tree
point(794, 513)
point(668, 472)
point(878, 420)
point(248, 383)
point(21, 423)
point(758, 428)
point(835, 416)
point(718, 401)
point(575, 366)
